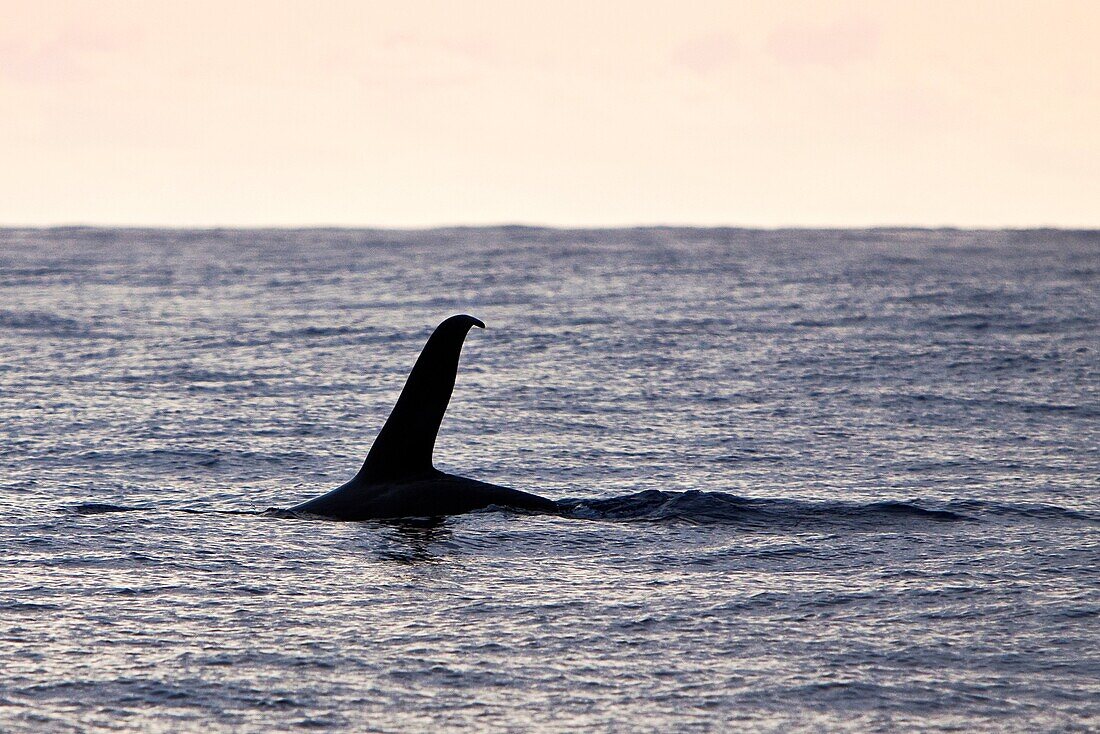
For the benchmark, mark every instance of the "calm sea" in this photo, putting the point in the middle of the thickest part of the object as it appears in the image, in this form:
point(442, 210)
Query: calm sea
point(823, 480)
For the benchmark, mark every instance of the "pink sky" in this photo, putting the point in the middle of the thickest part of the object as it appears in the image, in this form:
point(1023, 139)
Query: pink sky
point(567, 113)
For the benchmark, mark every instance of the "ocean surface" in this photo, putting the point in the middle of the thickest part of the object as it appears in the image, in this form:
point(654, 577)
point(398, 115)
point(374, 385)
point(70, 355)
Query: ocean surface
point(818, 480)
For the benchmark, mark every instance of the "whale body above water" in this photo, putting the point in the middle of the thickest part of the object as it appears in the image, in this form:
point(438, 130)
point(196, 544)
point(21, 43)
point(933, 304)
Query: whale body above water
point(398, 478)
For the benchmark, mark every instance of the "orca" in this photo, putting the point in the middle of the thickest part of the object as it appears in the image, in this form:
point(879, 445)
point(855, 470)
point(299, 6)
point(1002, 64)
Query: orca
point(398, 478)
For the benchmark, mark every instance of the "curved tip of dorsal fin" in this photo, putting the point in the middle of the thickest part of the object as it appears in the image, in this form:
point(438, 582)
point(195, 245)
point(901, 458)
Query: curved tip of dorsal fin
point(404, 446)
point(460, 320)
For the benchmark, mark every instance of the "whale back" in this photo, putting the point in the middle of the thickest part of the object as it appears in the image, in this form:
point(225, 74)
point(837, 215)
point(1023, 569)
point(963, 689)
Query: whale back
point(404, 446)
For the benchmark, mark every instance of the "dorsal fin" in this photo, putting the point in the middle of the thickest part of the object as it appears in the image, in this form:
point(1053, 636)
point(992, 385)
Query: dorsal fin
point(404, 446)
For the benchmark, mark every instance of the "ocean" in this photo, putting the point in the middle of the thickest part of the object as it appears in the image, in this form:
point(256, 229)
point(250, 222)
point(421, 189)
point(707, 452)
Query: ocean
point(819, 480)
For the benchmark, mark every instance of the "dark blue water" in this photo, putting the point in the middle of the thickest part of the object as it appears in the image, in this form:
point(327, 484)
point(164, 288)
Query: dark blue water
point(820, 480)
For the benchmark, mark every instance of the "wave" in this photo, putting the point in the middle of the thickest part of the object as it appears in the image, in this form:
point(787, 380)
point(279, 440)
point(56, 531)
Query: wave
point(45, 323)
point(100, 508)
point(699, 507)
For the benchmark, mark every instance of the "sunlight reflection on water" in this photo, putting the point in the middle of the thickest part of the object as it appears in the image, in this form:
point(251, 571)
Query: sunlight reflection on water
point(894, 435)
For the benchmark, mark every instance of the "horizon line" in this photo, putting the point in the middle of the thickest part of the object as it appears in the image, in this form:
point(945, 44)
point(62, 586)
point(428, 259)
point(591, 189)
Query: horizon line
point(565, 227)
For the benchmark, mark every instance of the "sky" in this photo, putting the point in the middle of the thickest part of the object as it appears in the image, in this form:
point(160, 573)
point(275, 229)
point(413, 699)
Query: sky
point(594, 113)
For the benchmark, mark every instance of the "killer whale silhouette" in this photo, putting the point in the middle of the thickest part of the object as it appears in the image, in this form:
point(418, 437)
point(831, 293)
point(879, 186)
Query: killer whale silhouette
point(398, 478)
